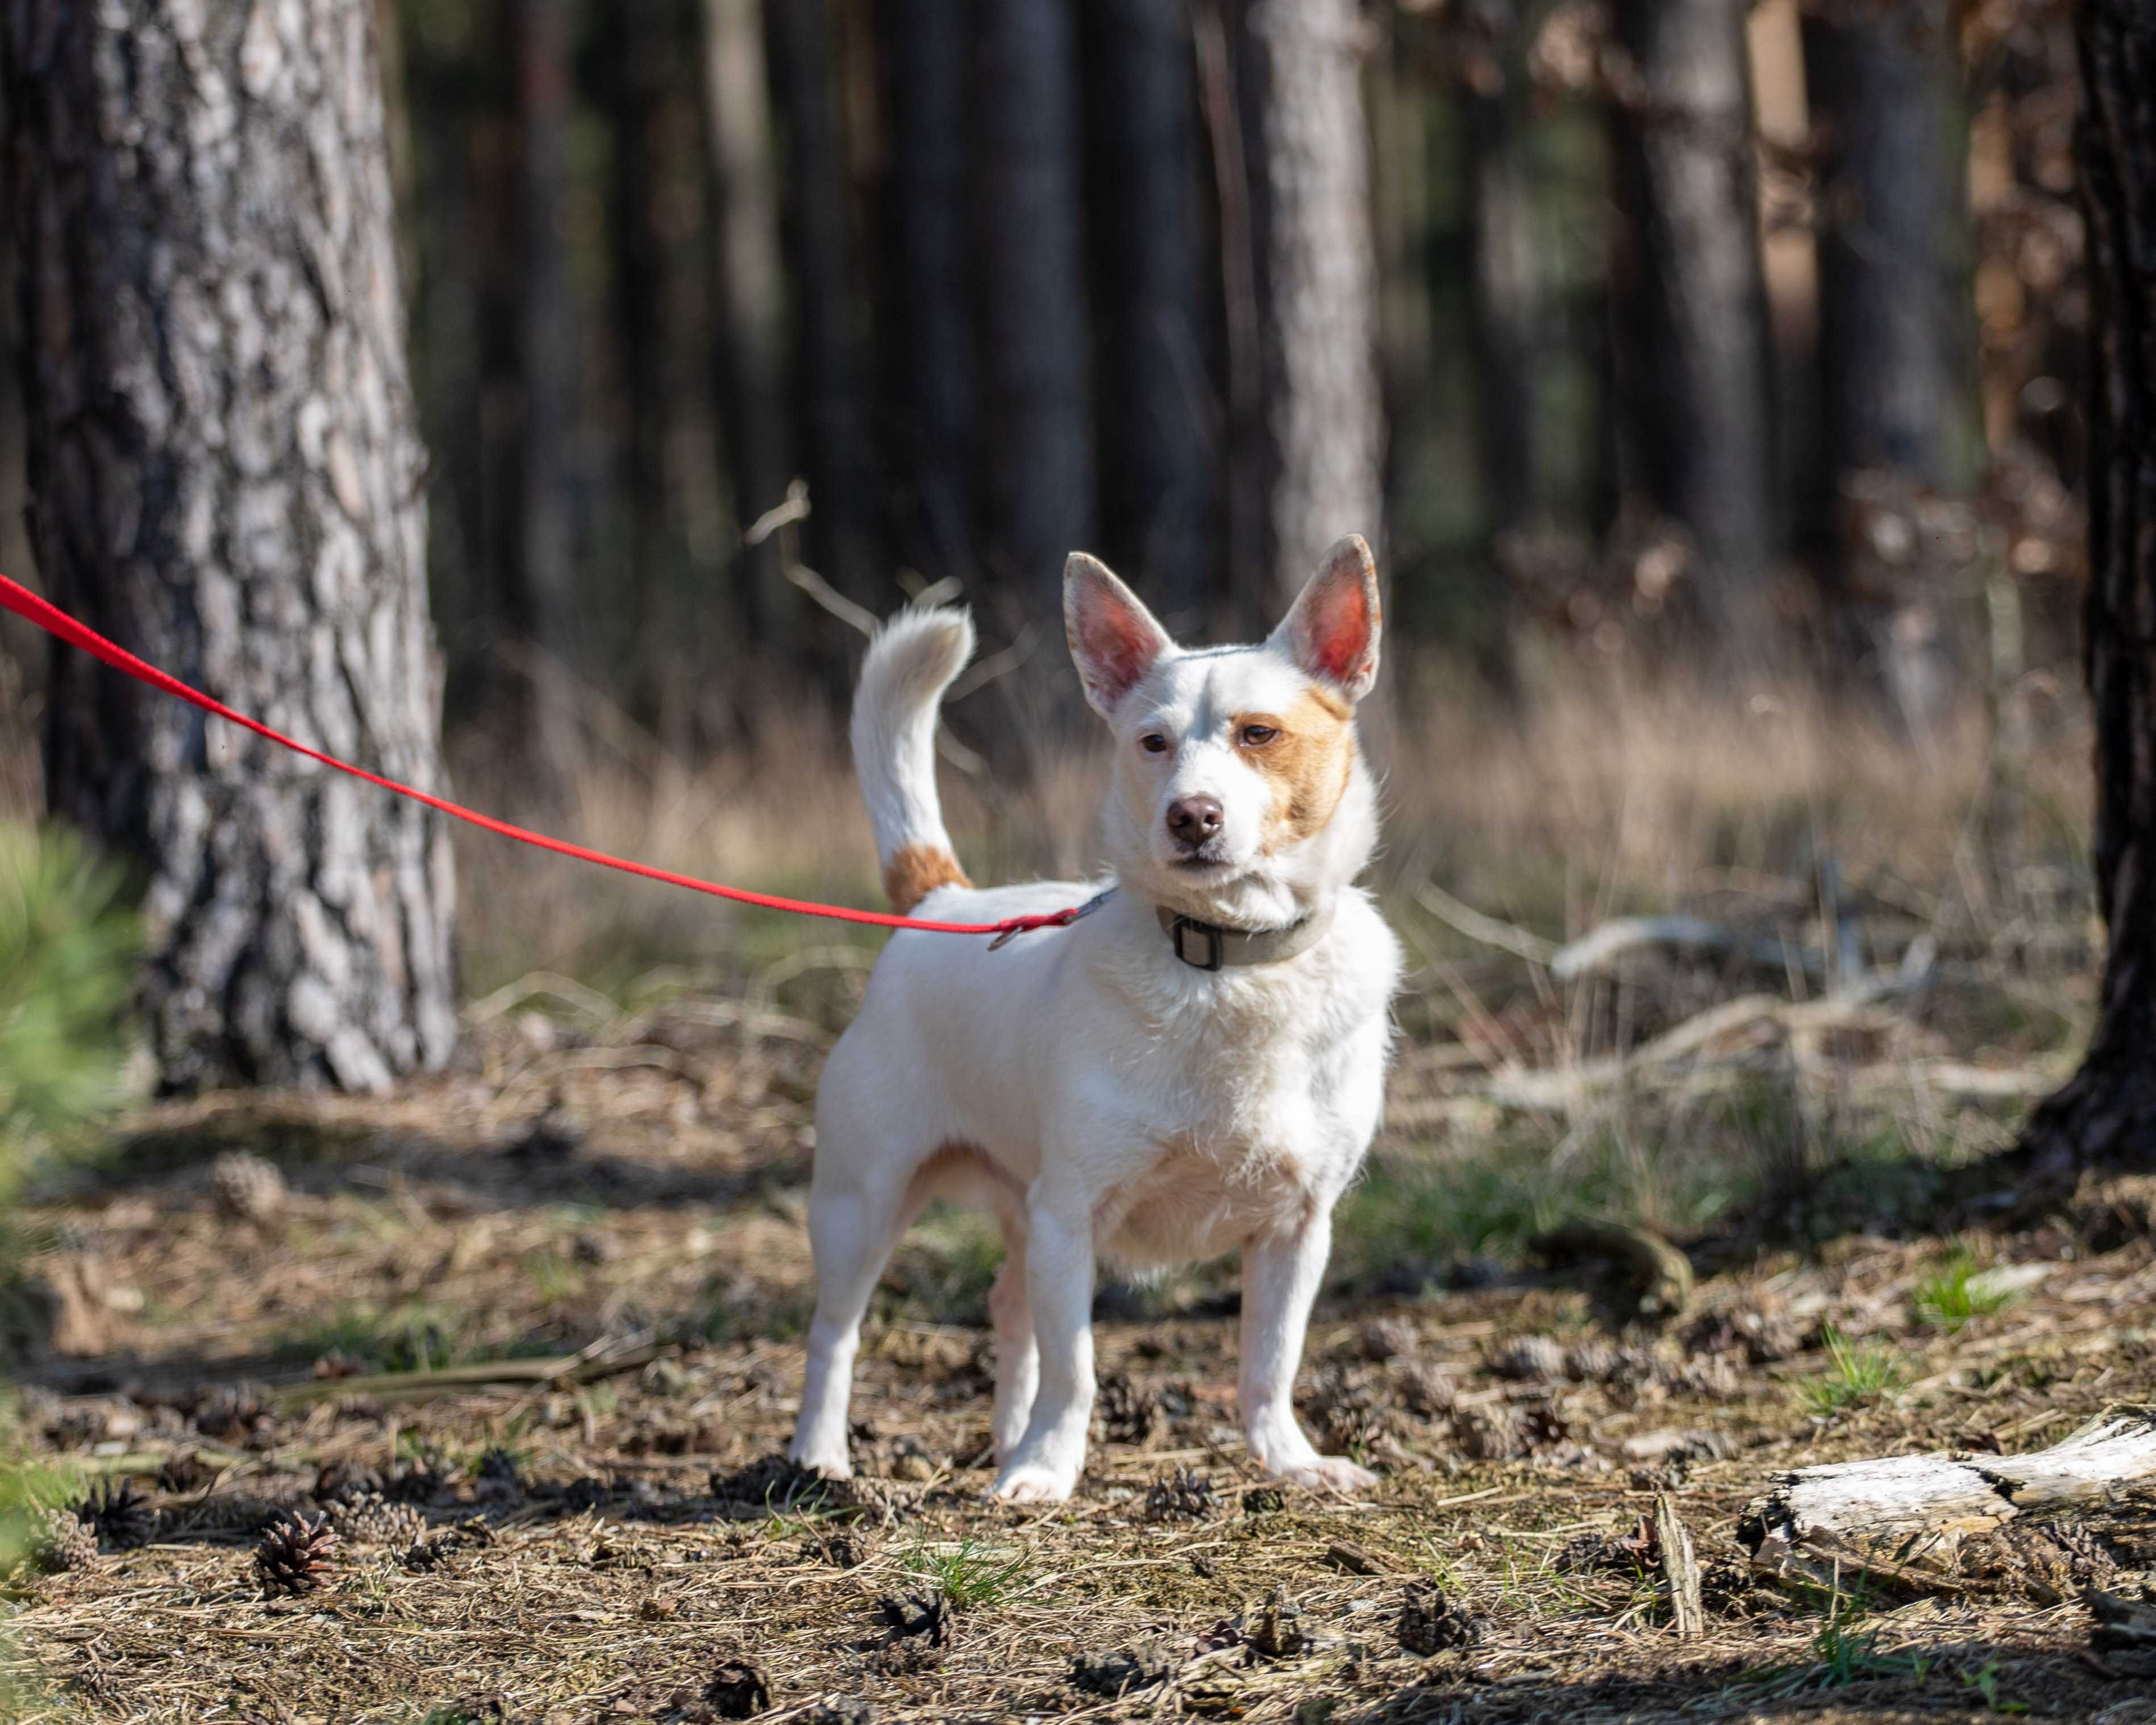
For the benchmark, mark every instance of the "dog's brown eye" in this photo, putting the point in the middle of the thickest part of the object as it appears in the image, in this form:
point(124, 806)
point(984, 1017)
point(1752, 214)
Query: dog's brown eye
point(1256, 736)
point(1153, 743)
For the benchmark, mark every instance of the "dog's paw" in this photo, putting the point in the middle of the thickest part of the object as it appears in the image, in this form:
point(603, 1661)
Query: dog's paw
point(1031, 1482)
point(832, 1463)
point(1333, 1473)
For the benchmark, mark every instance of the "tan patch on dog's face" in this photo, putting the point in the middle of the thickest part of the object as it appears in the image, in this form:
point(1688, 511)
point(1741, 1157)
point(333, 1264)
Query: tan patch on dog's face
point(1306, 761)
point(915, 871)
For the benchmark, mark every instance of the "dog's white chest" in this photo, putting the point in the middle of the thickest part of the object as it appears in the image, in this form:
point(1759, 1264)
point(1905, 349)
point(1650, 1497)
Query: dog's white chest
point(1189, 1205)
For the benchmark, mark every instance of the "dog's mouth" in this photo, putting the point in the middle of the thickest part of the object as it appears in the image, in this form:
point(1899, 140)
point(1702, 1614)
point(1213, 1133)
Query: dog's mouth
point(1198, 861)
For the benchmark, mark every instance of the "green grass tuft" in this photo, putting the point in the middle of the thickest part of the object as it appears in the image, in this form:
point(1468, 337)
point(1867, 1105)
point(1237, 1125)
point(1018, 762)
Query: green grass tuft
point(1956, 1292)
point(1855, 1378)
point(1842, 1655)
point(971, 1574)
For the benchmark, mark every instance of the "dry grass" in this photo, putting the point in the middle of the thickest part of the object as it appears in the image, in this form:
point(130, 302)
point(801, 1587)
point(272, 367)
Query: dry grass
point(635, 1181)
point(619, 1165)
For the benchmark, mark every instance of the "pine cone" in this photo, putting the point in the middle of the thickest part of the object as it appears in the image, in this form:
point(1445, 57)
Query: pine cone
point(369, 1518)
point(246, 1187)
point(296, 1553)
point(1278, 1632)
point(184, 1473)
point(62, 1541)
point(1529, 1357)
point(1430, 1623)
point(1182, 1496)
point(119, 1516)
point(739, 1689)
point(1129, 1414)
point(497, 1467)
point(239, 1413)
point(1385, 1338)
point(430, 1553)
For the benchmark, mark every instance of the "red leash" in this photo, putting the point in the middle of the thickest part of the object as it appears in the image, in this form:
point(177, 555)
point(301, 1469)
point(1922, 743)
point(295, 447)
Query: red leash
point(26, 604)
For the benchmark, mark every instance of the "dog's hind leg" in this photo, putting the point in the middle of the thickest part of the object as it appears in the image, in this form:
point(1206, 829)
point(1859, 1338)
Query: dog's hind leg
point(1018, 1354)
point(1059, 1283)
point(853, 1230)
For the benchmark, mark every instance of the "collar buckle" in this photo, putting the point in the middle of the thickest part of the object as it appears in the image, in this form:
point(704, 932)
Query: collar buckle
point(1202, 946)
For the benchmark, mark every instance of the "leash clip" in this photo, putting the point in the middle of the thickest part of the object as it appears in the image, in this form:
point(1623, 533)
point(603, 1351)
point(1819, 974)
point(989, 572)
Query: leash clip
point(1054, 919)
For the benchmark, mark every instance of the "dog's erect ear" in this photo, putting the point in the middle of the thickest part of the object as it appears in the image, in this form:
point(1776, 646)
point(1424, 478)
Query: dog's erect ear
point(1331, 630)
point(1113, 637)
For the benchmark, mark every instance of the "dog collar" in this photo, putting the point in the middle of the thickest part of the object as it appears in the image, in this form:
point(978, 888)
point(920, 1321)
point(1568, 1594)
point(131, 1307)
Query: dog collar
point(1207, 946)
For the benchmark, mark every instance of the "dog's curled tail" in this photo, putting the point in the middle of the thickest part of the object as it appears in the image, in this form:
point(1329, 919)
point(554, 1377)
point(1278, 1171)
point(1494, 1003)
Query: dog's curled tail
point(911, 663)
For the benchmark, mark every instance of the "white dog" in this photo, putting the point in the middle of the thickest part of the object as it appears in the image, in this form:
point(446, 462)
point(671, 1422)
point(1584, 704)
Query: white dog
point(1196, 1065)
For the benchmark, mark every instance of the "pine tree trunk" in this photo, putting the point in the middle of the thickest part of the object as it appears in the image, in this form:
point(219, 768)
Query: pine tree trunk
point(2106, 1112)
point(644, 43)
point(1038, 341)
point(1323, 407)
point(1156, 479)
point(1691, 343)
point(829, 319)
point(1506, 285)
point(550, 611)
point(931, 377)
point(226, 480)
point(751, 307)
point(1893, 239)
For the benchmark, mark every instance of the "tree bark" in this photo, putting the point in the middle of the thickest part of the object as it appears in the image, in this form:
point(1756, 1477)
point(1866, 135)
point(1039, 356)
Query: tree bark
point(830, 334)
point(1038, 341)
point(2106, 1112)
point(751, 308)
point(548, 516)
point(1507, 283)
point(1689, 354)
point(226, 480)
point(931, 378)
point(1893, 241)
point(645, 64)
point(1157, 473)
point(1323, 407)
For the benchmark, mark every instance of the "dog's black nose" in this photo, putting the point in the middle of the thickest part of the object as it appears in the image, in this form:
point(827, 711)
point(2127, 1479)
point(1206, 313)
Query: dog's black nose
point(1194, 819)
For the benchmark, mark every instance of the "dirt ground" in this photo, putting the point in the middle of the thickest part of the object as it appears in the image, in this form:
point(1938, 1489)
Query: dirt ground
point(612, 1222)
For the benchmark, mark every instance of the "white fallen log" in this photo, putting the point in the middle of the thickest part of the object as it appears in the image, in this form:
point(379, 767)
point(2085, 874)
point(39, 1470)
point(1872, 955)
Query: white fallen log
point(1902, 1517)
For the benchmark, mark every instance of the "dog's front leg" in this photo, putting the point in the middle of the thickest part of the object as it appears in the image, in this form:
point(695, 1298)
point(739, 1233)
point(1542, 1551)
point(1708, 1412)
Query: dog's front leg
point(1059, 1284)
point(1281, 1270)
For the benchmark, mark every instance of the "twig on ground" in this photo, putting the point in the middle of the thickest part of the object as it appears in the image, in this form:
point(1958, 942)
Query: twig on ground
point(584, 1367)
point(1680, 1568)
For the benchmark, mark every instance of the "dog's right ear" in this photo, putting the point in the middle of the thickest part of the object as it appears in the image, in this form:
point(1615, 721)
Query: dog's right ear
point(1113, 637)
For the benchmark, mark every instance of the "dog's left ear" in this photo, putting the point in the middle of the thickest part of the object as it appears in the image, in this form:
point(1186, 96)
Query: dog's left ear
point(1331, 631)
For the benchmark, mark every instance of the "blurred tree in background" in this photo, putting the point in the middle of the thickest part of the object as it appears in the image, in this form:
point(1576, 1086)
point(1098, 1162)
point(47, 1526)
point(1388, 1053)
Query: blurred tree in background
point(1679, 337)
point(2107, 1113)
point(1601, 316)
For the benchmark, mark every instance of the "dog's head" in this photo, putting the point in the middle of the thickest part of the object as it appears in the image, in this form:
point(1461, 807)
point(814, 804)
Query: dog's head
point(1239, 795)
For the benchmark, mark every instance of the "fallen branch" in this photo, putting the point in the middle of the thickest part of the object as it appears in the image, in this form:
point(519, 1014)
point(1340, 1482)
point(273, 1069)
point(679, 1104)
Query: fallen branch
point(1661, 1275)
point(1466, 919)
point(565, 1369)
point(1903, 1518)
point(1602, 946)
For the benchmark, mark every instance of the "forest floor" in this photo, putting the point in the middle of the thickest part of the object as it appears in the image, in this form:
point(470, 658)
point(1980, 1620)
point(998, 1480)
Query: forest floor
point(609, 1203)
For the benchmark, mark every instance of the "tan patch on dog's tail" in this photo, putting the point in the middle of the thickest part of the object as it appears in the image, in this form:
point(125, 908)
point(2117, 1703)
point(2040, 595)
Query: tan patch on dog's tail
point(915, 871)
